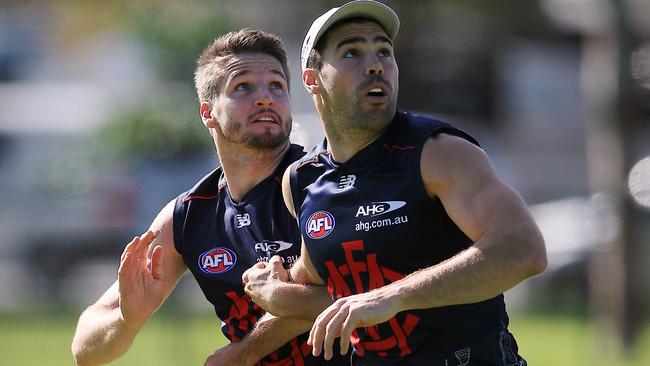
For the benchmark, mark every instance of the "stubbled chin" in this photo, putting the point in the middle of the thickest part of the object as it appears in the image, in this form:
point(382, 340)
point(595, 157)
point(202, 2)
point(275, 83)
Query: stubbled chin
point(266, 135)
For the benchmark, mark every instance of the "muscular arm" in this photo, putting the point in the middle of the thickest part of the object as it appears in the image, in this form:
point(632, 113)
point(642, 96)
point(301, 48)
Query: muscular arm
point(508, 246)
point(507, 249)
point(107, 328)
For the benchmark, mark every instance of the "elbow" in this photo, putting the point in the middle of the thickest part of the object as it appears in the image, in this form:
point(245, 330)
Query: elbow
point(81, 352)
point(535, 259)
point(80, 358)
point(77, 353)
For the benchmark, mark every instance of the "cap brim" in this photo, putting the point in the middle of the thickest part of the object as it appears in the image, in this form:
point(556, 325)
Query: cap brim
point(374, 10)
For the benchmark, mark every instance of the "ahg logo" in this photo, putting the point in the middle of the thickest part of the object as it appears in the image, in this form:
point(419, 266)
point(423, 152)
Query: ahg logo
point(271, 247)
point(379, 208)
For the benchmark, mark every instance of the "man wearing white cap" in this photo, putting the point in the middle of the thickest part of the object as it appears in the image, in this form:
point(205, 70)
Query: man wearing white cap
point(402, 217)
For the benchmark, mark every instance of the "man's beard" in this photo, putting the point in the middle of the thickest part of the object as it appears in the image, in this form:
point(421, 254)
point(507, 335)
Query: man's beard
point(265, 141)
point(353, 115)
point(373, 119)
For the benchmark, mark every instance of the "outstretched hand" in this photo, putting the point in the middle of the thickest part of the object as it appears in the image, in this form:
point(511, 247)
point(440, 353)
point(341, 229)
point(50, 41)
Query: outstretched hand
point(140, 280)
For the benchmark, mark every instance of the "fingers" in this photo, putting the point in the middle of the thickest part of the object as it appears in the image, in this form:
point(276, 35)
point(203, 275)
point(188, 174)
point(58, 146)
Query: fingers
point(333, 330)
point(347, 328)
point(249, 291)
point(129, 247)
point(126, 260)
point(135, 254)
point(145, 240)
point(317, 333)
point(278, 271)
point(248, 273)
point(139, 245)
point(275, 261)
point(336, 321)
point(157, 262)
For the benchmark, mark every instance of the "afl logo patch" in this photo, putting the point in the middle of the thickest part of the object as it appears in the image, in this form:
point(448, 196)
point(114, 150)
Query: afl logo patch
point(217, 260)
point(320, 224)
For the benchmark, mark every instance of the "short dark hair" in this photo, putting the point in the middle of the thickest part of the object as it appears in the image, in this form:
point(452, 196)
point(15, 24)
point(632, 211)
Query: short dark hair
point(208, 77)
point(315, 60)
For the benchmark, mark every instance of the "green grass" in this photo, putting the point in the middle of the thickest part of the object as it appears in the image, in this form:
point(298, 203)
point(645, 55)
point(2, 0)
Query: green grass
point(171, 339)
point(165, 340)
point(563, 340)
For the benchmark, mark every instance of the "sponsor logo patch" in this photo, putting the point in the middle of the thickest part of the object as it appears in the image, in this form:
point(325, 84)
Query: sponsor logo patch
point(217, 260)
point(271, 247)
point(379, 208)
point(320, 224)
point(243, 220)
point(347, 181)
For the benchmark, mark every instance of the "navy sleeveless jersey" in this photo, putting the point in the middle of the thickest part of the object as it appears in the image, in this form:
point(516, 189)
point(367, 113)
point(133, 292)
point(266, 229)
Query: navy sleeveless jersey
point(219, 239)
point(369, 222)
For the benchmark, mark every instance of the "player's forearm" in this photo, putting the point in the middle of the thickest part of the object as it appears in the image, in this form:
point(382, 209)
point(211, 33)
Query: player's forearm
point(306, 295)
point(101, 336)
point(293, 300)
point(486, 269)
point(271, 333)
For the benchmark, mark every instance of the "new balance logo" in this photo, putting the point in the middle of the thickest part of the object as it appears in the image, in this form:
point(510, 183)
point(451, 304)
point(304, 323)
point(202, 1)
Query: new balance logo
point(243, 220)
point(347, 181)
point(463, 356)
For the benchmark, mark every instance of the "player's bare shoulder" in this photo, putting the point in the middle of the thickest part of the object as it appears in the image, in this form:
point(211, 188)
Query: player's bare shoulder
point(286, 190)
point(448, 160)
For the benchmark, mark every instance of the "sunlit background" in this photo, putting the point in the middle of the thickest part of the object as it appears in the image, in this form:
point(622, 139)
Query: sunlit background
point(99, 128)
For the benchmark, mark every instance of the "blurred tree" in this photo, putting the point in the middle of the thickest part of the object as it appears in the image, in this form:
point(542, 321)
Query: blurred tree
point(448, 48)
point(160, 128)
point(175, 33)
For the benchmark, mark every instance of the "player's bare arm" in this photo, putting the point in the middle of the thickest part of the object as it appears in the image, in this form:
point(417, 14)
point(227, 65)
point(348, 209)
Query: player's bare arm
point(508, 246)
point(304, 271)
point(269, 334)
point(149, 269)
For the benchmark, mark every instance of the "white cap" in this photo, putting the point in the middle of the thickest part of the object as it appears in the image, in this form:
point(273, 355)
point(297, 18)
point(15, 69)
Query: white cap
point(370, 9)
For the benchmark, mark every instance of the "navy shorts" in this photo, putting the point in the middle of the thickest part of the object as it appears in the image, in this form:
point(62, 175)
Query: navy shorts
point(493, 351)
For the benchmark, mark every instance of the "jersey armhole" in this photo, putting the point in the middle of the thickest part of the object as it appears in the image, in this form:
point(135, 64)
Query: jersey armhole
point(446, 129)
point(295, 191)
point(178, 218)
point(453, 131)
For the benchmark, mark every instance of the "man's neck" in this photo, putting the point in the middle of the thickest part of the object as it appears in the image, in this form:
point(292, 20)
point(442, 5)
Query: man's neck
point(244, 167)
point(344, 145)
point(345, 139)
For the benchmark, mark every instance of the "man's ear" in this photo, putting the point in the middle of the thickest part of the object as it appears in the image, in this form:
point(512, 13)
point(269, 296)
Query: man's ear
point(206, 115)
point(310, 81)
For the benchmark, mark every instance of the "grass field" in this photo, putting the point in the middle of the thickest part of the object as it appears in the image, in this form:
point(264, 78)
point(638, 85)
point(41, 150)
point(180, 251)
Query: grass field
point(174, 340)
